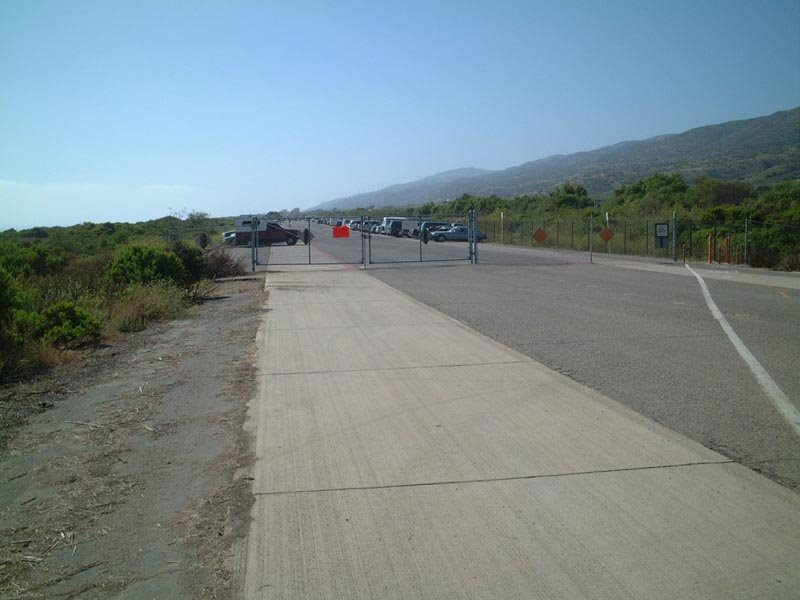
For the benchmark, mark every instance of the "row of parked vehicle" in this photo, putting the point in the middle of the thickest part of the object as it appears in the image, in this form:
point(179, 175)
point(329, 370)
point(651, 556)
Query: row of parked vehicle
point(438, 231)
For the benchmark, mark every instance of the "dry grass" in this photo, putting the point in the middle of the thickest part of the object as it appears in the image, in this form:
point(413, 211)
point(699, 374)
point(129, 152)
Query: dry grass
point(141, 304)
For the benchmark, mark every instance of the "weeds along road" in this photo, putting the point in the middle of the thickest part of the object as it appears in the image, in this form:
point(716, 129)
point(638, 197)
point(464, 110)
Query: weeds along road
point(640, 333)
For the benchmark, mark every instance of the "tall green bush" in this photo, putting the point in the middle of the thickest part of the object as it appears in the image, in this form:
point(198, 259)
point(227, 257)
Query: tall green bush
point(9, 342)
point(192, 259)
point(68, 324)
point(146, 264)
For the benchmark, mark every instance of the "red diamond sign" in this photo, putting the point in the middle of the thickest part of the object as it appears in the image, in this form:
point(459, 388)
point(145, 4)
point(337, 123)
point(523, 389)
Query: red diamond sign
point(606, 234)
point(540, 235)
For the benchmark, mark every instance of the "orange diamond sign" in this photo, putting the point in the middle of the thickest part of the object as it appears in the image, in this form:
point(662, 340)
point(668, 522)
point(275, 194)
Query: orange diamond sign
point(606, 234)
point(540, 235)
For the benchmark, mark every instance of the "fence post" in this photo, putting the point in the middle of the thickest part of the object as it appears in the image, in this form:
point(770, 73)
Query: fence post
point(419, 235)
point(474, 214)
point(690, 237)
point(728, 249)
point(746, 232)
point(253, 242)
point(572, 234)
point(625, 237)
point(646, 237)
point(714, 255)
point(502, 226)
point(674, 237)
point(708, 249)
point(589, 237)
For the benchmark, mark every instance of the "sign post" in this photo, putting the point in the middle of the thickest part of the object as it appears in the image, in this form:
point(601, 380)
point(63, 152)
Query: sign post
point(662, 235)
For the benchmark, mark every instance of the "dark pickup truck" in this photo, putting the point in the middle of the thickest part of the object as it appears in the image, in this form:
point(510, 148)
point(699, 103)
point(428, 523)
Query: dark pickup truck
point(273, 234)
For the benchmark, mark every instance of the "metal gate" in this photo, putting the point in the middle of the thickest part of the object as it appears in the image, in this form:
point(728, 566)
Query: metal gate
point(363, 240)
point(316, 241)
point(417, 239)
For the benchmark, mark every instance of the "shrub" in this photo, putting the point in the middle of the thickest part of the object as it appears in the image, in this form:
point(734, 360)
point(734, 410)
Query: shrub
point(9, 341)
point(146, 264)
point(31, 260)
point(29, 324)
point(790, 262)
point(191, 258)
point(220, 262)
point(89, 270)
point(70, 325)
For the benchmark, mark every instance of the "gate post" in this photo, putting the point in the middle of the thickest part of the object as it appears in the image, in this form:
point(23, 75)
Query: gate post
point(746, 233)
point(419, 235)
point(253, 242)
point(363, 243)
point(368, 253)
point(674, 237)
point(470, 237)
point(472, 241)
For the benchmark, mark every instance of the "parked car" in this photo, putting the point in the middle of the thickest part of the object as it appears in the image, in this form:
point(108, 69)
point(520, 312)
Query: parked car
point(456, 234)
point(229, 238)
point(369, 225)
point(431, 226)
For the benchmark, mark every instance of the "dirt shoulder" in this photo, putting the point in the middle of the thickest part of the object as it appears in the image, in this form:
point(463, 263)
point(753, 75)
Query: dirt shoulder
point(133, 480)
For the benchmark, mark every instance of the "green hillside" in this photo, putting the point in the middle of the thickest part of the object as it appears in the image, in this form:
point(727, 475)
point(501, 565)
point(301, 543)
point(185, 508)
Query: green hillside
point(763, 150)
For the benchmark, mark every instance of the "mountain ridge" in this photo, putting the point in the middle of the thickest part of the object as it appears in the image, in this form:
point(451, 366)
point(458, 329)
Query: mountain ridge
point(761, 150)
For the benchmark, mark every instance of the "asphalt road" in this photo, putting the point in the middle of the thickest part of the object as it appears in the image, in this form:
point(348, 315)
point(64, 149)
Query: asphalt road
point(644, 337)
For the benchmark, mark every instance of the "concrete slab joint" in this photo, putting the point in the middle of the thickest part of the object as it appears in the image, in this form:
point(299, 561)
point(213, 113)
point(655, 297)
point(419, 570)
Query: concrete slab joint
point(402, 455)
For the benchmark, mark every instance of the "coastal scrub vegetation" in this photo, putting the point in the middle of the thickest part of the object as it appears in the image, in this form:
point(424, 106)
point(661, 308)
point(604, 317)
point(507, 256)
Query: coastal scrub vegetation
point(704, 207)
point(63, 289)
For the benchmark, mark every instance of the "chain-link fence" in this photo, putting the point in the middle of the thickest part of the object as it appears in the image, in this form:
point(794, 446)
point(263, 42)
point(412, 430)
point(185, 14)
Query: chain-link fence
point(665, 236)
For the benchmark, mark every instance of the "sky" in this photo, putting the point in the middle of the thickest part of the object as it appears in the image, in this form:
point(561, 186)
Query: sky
point(131, 110)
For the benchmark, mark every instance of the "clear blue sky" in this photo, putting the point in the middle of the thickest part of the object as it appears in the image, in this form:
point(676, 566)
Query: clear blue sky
point(126, 111)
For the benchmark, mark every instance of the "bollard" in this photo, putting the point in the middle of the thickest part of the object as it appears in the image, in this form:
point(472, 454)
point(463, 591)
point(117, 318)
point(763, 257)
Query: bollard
point(683, 251)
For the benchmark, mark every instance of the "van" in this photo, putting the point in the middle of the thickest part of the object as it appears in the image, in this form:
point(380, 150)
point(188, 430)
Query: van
point(399, 226)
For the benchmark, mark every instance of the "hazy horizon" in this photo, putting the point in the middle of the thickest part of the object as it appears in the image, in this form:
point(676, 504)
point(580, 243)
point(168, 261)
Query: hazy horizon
point(112, 113)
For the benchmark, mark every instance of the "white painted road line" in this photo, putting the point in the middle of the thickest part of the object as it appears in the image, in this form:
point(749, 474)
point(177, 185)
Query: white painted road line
point(775, 393)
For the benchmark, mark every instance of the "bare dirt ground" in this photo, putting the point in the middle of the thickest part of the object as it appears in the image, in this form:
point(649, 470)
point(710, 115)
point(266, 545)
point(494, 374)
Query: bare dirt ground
point(127, 474)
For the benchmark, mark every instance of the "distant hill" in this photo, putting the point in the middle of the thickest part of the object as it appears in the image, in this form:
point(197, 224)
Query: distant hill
point(762, 150)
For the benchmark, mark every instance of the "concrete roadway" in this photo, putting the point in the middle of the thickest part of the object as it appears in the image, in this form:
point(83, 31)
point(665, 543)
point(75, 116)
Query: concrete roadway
point(401, 454)
point(646, 338)
point(637, 331)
